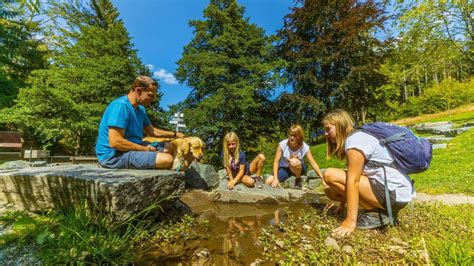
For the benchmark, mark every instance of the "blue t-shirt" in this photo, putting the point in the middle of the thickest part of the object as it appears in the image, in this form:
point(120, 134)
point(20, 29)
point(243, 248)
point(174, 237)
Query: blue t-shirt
point(236, 167)
point(120, 113)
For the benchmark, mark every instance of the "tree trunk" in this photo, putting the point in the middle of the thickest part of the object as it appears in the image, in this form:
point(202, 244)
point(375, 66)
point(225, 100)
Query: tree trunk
point(405, 93)
point(363, 113)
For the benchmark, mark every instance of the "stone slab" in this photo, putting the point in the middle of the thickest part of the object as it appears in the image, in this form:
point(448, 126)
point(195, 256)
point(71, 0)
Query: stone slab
point(123, 192)
point(243, 194)
point(434, 124)
point(440, 146)
point(438, 139)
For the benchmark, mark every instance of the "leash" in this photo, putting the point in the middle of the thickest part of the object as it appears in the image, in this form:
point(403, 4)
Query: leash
point(179, 166)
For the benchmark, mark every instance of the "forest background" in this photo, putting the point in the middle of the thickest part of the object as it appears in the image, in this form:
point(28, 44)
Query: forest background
point(62, 62)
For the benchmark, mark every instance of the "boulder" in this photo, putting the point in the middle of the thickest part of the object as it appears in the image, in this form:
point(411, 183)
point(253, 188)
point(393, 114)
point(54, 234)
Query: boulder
point(468, 124)
point(201, 176)
point(311, 174)
point(122, 192)
point(314, 183)
point(222, 174)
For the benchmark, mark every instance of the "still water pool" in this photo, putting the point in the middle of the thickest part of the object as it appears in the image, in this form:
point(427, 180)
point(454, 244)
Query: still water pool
point(227, 233)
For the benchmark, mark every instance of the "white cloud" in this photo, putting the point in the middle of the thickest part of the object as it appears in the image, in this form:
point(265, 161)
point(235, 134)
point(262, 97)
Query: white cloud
point(150, 67)
point(165, 76)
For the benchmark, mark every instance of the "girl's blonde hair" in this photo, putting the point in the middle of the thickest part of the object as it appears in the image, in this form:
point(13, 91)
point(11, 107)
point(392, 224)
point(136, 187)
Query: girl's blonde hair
point(231, 136)
point(297, 131)
point(344, 124)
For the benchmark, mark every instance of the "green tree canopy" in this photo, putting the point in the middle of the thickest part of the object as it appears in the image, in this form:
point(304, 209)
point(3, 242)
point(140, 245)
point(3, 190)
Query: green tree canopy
point(94, 64)
point(231, 69)
point(332, 52)
point(20, 51)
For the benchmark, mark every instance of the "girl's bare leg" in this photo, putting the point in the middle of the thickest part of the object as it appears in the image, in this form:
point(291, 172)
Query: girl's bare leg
point(256, 166)
point(336, 180)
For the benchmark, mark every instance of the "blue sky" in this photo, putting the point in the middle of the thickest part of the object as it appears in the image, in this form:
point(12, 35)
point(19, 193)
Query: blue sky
point(159, 31)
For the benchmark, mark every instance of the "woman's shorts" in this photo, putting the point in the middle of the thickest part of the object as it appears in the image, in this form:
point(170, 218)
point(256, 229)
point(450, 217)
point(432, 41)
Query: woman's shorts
point(284, 172)
point(131, 160)
point(379, 191)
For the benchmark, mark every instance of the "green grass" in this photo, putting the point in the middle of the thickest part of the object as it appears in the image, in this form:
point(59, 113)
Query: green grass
point(451, 169)
point(455, 118)
point(75, 236)
point(427, 234)
point(458, 116)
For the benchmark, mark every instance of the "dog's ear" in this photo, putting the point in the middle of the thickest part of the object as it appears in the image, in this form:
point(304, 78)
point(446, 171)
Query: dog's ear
point(185, 146)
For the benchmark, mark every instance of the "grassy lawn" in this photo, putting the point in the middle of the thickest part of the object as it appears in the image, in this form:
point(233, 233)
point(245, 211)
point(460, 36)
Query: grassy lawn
point(427, 234)
point(457, 116)
point(451, 169)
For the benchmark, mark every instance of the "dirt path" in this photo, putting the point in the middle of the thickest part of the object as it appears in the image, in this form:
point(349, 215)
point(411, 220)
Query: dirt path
point(448, 199)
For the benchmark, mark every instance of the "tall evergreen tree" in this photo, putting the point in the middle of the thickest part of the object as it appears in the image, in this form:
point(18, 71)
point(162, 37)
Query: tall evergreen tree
point(20, 52)
point(331, 50)
point(94, 64)
point(231, 69)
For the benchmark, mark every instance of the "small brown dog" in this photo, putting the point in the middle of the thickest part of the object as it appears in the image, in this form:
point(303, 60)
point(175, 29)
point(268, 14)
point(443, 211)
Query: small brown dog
point(185, 151)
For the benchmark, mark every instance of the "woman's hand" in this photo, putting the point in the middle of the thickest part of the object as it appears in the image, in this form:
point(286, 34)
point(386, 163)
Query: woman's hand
point(275, 182)
point(345, 229)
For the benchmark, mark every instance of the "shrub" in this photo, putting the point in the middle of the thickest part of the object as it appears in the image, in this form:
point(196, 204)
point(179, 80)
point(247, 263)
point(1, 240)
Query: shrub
point(446, 95)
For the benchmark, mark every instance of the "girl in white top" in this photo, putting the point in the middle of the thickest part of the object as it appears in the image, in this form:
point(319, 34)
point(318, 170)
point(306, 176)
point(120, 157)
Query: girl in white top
point(289, 158)
point(362, 184)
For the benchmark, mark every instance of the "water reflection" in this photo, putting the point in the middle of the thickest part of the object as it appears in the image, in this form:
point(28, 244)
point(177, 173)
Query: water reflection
point(229, 233)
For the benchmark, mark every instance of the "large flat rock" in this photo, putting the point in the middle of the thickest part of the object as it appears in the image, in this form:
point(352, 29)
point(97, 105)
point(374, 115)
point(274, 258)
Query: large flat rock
point(243, 194)
point(122, 192)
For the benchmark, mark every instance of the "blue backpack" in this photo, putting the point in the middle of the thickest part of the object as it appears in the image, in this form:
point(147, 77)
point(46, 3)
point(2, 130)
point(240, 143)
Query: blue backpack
point(410, 153)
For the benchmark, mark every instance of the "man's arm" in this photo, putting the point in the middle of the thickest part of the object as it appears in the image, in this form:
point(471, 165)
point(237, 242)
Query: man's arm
point(118, 142)
point(160, 133)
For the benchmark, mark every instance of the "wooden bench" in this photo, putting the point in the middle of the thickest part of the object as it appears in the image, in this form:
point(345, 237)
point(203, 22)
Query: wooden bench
point(78, 159)
point(10, 140)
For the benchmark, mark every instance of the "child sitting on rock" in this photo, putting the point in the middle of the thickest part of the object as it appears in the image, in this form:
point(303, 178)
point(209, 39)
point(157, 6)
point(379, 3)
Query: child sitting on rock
point(289, 159)
point(236, 165)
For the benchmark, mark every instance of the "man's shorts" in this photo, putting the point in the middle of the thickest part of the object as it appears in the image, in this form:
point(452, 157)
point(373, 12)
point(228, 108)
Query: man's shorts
point(284, 172)
point(379, 191)
point(131, 160)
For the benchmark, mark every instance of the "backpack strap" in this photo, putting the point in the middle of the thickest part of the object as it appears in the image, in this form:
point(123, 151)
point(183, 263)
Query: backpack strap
point(387, 198)
point(394, 137)
point(388, 203)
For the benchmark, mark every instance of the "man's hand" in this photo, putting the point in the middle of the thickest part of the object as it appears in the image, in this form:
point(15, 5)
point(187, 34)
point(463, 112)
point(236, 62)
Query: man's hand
point(179, 135)
point(150, 148)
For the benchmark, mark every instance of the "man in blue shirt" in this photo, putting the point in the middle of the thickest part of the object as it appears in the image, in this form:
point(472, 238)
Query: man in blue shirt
point(119, 143)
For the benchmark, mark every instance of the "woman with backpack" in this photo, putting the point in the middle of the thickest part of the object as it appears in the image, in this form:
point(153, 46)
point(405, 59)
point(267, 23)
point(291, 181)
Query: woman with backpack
point(363, 183)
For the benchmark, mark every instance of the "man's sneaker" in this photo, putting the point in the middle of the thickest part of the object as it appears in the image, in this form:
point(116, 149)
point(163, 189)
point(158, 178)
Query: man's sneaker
point(372, 220)
point(298, 183)
point(258, 181)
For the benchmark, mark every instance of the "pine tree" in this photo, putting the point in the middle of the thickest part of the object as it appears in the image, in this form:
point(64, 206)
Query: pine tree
point(231, 69)
point(93, 64)
point(20, 52)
